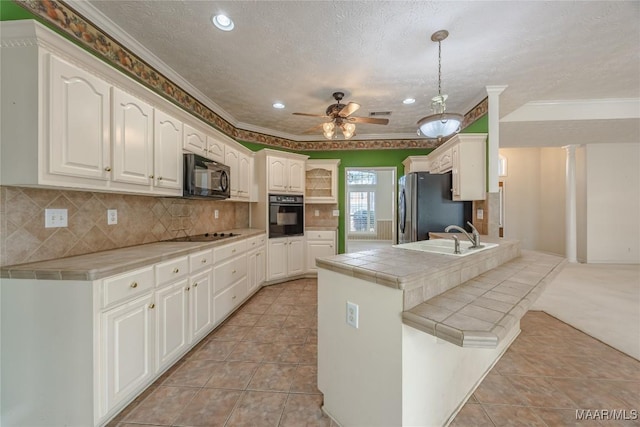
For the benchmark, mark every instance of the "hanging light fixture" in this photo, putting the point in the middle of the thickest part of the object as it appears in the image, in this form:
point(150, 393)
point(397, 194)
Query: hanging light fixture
point(329, 129)
point(440, 124)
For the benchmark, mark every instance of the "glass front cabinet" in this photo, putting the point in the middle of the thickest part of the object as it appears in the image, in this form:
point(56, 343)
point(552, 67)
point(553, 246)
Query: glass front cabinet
point(321, 181)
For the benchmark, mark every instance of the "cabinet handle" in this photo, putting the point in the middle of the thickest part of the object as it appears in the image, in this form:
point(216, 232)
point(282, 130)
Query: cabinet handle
point(195, 285)
point(176, 270)
point(151, 176)
point(187, 289)
point(233, 297)
point(134, 285)
point(108, 169)
point(233, 251)
point(233, 272)
point(204, 260)
point(152, 306)
point(330, 246)
point(159, 178)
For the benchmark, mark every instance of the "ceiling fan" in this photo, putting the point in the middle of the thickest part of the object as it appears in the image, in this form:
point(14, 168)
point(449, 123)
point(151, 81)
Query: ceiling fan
point(339, 115)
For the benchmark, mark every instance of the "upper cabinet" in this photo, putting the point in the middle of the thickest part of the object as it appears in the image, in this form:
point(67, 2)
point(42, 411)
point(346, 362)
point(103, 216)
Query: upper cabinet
point(167, 151)
point(195, 140)
point(285, 175)
point(79, 121)
point(215, 149)
point(321, 181)
point(464, 155)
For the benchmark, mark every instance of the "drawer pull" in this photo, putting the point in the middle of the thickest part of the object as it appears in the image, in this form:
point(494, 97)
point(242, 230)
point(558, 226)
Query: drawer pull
point(152, 306)
point(134, 285)
point(151, 176)
point(187, 289)
point(233, 272)
point(233, 251)
point(195, 284)
point(176, 270)
point(204, 260)
point(108, 169)
point(233, 297)
point(159, 178)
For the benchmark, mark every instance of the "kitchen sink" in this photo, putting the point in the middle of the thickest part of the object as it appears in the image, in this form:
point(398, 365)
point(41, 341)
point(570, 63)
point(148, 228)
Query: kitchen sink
point(444, 246)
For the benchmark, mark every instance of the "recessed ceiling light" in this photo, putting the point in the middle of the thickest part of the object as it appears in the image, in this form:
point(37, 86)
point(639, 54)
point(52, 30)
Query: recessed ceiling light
point(223, 22)
point(278, 105)
point(409, 101)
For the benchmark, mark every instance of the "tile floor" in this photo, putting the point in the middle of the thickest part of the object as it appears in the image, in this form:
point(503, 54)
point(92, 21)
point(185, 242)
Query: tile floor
point(259, 369)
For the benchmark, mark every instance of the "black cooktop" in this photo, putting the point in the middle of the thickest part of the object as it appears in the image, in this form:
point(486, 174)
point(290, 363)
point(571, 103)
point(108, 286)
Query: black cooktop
point(206, 237)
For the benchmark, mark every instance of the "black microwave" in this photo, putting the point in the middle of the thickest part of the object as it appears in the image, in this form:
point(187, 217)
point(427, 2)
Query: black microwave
point(204, 178)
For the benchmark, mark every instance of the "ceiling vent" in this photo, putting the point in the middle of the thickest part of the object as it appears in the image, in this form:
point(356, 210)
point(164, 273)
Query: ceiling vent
point(379, 113)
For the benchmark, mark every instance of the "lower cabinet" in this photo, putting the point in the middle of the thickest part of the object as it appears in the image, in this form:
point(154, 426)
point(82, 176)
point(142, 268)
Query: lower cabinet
point(319, 244)
point(256, 267)
point(100, 343)
point(285, 257)
point(128, 349)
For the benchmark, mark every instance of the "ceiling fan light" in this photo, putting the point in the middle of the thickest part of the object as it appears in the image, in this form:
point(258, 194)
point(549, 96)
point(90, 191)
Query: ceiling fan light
point(349, 127)
point(440, 125)
point(328, 135)
point(328, 127)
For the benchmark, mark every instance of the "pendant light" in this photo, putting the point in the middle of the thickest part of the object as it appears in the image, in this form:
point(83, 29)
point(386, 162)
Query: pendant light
point(440, 124)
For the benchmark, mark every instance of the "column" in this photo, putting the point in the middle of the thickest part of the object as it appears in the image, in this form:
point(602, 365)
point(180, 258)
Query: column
point(570, 203)
point(494, 135)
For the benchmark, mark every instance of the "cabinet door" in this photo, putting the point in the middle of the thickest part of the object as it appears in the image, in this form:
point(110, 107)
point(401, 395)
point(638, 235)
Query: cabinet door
point(277, 174)
point(231, 159)
point(128, 349)
point(251, 272)
point(245, 173)
point(455, 170)
point(168, 151)
point(295, 256)
point(201, 312)
point(277, 255)
point(260, 273)
point(226, 301)
point(318, 249)
point(194, 140)
point(173, 324)
point(78, 123)
point(215, 150)
point(296, 176)
point(132, 125)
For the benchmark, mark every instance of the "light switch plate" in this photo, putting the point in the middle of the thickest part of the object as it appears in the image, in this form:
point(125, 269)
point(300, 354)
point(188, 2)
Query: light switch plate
point(336, 212)
point(352, 314)
point(480, 213)
point(216, 214)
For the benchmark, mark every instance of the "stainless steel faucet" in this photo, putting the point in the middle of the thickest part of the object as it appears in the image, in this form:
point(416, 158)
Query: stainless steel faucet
point(474, 239)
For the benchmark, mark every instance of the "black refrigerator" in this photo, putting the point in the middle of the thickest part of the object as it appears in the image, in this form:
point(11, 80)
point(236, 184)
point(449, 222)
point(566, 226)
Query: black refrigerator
point(425, 205)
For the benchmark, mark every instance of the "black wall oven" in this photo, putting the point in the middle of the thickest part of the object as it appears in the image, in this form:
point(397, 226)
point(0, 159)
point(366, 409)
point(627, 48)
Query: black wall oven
point(286, 215)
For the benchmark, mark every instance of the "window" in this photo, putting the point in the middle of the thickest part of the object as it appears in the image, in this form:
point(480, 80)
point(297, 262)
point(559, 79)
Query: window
point(361, 187)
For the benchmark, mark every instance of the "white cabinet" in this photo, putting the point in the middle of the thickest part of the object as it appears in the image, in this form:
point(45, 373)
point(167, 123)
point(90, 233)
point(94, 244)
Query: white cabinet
point(201, 304)
point(168, 161)
point(468, 170)
point(465, 156)
point(231, 159)
point(319, 244)
point(256, 266)
point(132, 130)
point(128, 348)
point(172, 306)
point(245, 172)
point(285, 257)
point(215, 149)
point(285, 175)
point(230, 278)
point(79, 121)
point(194, 140)
point(321, 181)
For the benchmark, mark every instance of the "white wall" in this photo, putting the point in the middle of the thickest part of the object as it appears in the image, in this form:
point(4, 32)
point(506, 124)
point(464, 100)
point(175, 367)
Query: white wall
point(607, 197)
point(613, 203)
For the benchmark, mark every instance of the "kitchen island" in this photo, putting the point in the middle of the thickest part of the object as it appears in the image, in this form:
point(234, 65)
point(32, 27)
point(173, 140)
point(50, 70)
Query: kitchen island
point(404, 337)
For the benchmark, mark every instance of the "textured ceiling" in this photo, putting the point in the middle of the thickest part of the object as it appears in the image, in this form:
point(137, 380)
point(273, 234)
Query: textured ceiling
point(380, 52)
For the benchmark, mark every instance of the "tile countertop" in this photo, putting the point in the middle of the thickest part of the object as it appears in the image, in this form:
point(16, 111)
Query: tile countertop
point(98, 265)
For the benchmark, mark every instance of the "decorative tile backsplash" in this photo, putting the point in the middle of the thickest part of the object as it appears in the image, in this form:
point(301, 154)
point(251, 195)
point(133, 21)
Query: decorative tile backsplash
point(325, 216)
point(141, 219)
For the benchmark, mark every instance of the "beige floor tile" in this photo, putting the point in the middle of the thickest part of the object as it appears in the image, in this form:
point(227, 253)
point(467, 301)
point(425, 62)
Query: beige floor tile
point(209, 407)
point(273, 377)
point(497, 389)
point(305, 380)
point(540, 392)
point(249, 351)
point(192, 373)
point(231, 375)
point(563, 417)
point(163, 406)
point(507, 415)
point(228, 332)
point(304, 410)
point(471, 415)
point(258, 408)
point(214, 350)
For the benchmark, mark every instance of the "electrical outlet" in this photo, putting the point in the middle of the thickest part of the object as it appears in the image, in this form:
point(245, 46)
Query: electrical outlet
point(216, 214)
point(480, 213)
point(316, 213)
point(352, 314)
point(54, 218)
point(112, 216)
point(336, 212)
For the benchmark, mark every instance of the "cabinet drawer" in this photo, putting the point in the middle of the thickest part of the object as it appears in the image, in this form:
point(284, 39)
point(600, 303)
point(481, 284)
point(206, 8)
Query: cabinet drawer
point(168, 271)
point(224, 303)
point(126, 285)
point(222, 253)
point(255, 242)
point(229, 272)
point(321, 235)
point(200, 260)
